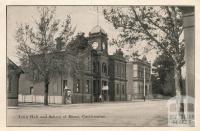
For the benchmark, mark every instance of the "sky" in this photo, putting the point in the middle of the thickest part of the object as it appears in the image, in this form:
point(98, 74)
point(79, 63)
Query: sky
point(83, 17)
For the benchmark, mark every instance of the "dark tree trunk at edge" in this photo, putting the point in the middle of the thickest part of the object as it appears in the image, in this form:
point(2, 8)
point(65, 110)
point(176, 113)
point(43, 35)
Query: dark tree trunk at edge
point(46, 92)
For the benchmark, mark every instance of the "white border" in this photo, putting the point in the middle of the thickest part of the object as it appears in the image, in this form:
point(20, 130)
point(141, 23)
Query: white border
point(3, 4)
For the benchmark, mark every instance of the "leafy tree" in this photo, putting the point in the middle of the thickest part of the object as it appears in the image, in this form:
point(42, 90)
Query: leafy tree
point(39, 54)
point(164, 67)
point(161, 27)
point(156, 85)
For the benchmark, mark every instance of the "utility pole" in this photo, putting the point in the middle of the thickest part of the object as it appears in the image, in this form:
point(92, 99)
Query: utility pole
point(149, 80)
point(144, 83)
point(97, 15)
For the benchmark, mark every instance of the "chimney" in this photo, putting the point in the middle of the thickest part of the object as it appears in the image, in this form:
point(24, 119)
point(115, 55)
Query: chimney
point(59, 43)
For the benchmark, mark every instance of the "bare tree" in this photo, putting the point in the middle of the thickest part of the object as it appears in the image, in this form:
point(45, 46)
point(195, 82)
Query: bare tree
point(39, 54)
point(160, 27)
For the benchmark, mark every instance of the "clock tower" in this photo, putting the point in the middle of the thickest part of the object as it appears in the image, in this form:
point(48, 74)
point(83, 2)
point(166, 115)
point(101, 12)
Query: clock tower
point(98, 40)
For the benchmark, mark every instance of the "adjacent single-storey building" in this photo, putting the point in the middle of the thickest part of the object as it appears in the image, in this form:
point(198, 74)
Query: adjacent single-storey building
point(13, 75)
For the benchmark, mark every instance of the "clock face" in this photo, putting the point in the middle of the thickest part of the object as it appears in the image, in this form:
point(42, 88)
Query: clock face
point(103, 45)
point(95, 45)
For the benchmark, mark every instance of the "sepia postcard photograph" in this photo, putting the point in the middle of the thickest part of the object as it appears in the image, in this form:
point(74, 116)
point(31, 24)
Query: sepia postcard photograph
point(100, 65)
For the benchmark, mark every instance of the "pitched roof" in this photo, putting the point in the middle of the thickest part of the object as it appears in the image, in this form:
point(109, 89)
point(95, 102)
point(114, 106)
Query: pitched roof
point(12, 65)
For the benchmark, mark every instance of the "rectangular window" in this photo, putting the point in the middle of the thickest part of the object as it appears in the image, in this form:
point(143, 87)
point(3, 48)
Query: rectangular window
point(88, 66)
point(142, 72)
point(135, 73)
point(135, 67)
point(122, 70)
point(119, 69)
point(117, 89)
point(123, 89)
point(94, 67)
point(115, 68)
point(147, 75)
point(87, 86)
point(139, 88)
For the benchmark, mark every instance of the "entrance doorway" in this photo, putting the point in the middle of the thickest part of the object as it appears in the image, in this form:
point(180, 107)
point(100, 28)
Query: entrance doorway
point(96, 90)
point(146, 90)
point(105, 91)
point(66, 93)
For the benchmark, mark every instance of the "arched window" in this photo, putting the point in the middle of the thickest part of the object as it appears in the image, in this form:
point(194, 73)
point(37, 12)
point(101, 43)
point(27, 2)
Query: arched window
point(78, 86)
point(98, 66)
point(104, 68)
point(87, 86)
point(31, 90)
point(65, 85)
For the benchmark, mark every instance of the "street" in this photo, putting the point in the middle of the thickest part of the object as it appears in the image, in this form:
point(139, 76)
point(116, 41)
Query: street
point(135, 113)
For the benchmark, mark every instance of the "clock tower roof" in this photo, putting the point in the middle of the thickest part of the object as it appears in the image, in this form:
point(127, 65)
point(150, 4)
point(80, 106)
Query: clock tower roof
point(97, 29)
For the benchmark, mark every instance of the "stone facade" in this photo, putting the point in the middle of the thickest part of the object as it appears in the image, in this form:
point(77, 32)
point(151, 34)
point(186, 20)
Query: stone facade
point(117, 73)
point(135, 77)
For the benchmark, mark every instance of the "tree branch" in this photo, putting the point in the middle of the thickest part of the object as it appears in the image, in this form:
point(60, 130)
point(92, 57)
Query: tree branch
point(148, 34)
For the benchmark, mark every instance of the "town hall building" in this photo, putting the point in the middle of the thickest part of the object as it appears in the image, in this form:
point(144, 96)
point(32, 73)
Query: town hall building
point(101, 77)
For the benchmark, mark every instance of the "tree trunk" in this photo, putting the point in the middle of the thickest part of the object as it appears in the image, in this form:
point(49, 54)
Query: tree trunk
point(177, 74)
point(46, 91)
point(179, 93)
